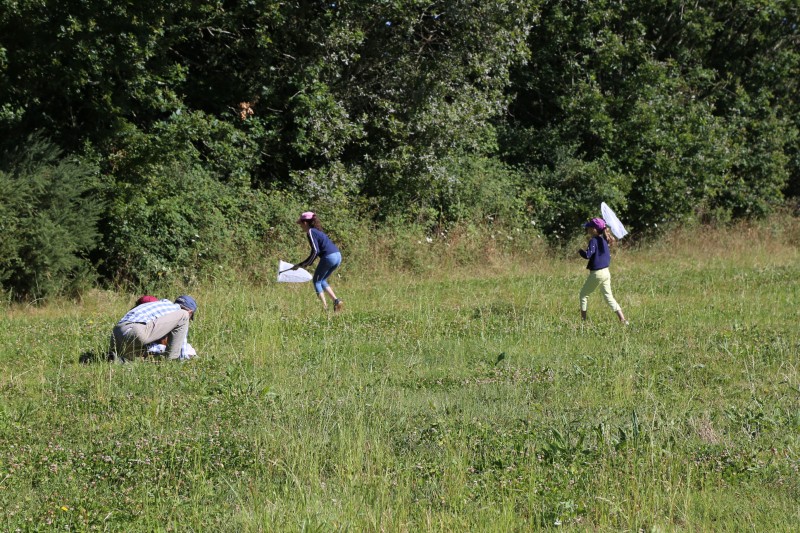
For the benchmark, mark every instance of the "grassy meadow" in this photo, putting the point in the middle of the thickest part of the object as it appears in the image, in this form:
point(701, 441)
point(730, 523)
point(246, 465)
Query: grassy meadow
point(458, 398)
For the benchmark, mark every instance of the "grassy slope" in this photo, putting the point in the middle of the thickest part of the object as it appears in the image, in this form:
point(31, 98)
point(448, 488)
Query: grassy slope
point(471, 399)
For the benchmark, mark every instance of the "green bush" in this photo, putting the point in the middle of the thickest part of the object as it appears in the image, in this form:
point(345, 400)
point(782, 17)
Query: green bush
point(762, 141)
point(566, 195)
point(48, 218)
point(182, 205)
point(477, 189)
point(172, 225)
point(678, 151)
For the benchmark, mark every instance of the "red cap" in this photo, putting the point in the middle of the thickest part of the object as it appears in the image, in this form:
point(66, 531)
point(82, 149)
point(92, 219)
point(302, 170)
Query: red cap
point(146, 299)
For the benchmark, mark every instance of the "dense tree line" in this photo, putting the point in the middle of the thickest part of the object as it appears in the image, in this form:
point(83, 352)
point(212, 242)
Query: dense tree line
point(143, 138)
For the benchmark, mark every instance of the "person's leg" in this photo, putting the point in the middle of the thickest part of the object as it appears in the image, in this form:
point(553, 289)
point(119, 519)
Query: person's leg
point(174, 326)
point(326, 266)
point(319, 280)
point(338, 303)
point(321, 296)
point(125, 345)
point(330, 292)
point(336, 260)
point(605, 290)
point(588, 287)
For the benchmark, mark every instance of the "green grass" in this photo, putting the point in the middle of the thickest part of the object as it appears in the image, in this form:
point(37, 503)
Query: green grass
point(469, 399)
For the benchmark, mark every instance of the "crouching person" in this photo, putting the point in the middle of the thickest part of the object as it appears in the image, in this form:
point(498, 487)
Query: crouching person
point(151, 322)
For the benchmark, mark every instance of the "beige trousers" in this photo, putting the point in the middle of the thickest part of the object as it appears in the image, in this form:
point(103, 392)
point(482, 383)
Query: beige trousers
point(129, 339)
point(598, 278)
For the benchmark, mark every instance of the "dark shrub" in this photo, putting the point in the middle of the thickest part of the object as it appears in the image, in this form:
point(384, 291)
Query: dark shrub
point(48, 219)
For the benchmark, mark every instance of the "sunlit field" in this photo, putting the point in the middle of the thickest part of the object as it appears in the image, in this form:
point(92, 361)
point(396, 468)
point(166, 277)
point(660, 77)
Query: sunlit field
point(468, 398)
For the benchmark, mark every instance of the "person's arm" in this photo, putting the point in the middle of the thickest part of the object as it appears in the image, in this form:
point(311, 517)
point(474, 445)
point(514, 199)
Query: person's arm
point(590, 250)
point(313, 255)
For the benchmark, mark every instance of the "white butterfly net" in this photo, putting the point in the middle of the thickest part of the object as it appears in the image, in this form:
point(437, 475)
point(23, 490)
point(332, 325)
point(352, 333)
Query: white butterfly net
point(285, 275)
point(612, 221)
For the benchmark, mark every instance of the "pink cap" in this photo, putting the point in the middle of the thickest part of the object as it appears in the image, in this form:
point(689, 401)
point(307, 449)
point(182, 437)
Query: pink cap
point(598, 223)
point(146, 299)
point(308, 215)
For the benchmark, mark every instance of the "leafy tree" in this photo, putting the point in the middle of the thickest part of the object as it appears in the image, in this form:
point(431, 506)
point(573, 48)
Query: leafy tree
point(663, 103)
point(424, 111)
point(85, 70)
point(49, 212)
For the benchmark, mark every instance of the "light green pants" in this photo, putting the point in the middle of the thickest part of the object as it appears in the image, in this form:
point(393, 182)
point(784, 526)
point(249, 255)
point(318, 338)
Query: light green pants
point(598, 278)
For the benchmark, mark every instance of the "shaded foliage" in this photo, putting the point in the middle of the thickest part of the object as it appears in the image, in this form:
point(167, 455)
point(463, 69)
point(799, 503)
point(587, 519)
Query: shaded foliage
point(428, 113)
point(677, 109)
point(48, 220)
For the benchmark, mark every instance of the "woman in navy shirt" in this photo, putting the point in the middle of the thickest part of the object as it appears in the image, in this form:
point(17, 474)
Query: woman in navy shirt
point(329, 258)
point(599, 256)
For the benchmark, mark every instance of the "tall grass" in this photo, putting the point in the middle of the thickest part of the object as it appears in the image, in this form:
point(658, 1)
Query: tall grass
point(467, 397)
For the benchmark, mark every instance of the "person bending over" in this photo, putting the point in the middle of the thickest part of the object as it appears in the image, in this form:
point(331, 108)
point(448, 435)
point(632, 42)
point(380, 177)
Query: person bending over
point(329, 258)
point(150, 322)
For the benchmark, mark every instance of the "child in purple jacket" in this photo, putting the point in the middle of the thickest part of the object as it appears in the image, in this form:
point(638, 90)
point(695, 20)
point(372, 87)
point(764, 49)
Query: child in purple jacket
point(599, 256)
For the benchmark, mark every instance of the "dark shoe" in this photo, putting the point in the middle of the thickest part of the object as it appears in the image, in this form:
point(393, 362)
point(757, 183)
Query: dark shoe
point(338, 305)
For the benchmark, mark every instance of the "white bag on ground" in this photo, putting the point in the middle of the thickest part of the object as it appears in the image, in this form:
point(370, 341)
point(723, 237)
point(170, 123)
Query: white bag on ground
point(156, 348)
point(612, 221)
point(300, 275)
